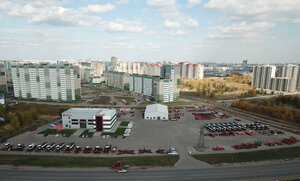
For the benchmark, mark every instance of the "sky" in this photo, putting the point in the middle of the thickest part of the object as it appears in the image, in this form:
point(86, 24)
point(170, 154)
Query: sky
point(260, 31)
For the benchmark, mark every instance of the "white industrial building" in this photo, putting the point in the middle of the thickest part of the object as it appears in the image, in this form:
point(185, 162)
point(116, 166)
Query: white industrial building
point(156, 111)
point(90, 118)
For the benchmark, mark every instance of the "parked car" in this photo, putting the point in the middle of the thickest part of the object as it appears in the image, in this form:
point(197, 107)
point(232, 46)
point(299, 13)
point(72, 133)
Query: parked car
point(172, 151)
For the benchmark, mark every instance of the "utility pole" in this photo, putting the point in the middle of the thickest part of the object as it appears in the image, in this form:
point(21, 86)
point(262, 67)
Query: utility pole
point(201, 144)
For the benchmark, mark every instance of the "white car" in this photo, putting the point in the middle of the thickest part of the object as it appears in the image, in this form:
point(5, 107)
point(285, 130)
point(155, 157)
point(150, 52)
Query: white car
point(122, 171)
point(172, 151)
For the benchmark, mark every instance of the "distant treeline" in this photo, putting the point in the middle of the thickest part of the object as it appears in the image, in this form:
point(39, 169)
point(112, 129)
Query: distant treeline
point(283, 107)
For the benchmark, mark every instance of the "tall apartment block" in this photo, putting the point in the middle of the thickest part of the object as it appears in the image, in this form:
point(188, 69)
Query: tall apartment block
point(160, 89)
point(287, 78)
point(118, 80)
point(130, 67)
point(3, 82)
point(45, 81)
point(262, 76)
point(189, 71)
point(152, 69)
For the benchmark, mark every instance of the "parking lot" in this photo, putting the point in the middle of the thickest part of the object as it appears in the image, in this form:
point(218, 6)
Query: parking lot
point(182, 133)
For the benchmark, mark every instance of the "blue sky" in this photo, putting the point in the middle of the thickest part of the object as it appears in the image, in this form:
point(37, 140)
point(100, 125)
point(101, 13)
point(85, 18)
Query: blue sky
point(153, 30)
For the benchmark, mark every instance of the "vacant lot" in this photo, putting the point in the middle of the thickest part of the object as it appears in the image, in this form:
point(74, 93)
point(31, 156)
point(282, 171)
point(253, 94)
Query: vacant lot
point(125, 99)
point(101, 100)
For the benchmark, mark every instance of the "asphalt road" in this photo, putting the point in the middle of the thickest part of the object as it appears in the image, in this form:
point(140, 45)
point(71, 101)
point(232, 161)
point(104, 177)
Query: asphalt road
point(281, 171)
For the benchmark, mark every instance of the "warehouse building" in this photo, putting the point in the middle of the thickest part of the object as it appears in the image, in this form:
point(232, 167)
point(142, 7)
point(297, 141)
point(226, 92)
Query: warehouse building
point(156, 111)
point(97, 119)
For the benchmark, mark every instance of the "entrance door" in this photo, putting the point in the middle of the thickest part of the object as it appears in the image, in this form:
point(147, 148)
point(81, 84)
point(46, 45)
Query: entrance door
point(82, 125)
point(99, 123)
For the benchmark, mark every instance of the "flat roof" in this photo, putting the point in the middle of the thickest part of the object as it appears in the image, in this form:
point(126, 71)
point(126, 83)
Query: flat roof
point(88, 112)
point(156, 108)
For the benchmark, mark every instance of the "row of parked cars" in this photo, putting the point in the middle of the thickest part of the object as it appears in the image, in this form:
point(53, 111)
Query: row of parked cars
point(58, 147)
point(257, 126)
point(227, 126)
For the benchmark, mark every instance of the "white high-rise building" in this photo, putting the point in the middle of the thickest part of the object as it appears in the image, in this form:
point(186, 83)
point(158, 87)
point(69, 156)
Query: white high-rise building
point(51, 82)
point(287, 79)
point(262, 76)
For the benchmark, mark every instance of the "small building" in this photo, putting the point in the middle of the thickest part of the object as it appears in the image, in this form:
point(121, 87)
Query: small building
point(97, 119)
point(156, 111)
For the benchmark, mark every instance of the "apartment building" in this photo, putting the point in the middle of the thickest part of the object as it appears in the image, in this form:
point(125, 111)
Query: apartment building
point(45, 81)
point(284, 78)
point(3, 81)
point(118, 80)
point(160, 89)
point(189, 71)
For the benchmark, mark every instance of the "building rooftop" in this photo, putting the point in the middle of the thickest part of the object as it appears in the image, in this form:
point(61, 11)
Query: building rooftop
point(90, 112)
point(156, 108)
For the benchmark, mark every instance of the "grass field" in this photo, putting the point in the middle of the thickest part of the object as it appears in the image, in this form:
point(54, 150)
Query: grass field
point(124, 123)
point(119, 132)
point(87, 133)
point(85, 162)
point(254, 156)
point(67, 132)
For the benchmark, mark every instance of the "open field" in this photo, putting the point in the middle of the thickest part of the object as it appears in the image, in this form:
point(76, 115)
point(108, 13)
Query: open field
point(100, 100)
point(254, 156)
point(90, 162)
point(124, 99)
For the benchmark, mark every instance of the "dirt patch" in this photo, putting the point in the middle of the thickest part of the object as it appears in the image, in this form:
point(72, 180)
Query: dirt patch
point(100, 100)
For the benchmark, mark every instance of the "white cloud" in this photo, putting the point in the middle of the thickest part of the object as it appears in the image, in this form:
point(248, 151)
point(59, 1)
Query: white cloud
point(173, 18)
point(153, 46)
point(190, 22)
point(122, 25)
point(177, 33)
point(192, 3)
point(259, 10)
point(122, 2)
point(57, 15)
point(240, 30)
point(171, 24)
point(97, 8)
point(161, 3)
